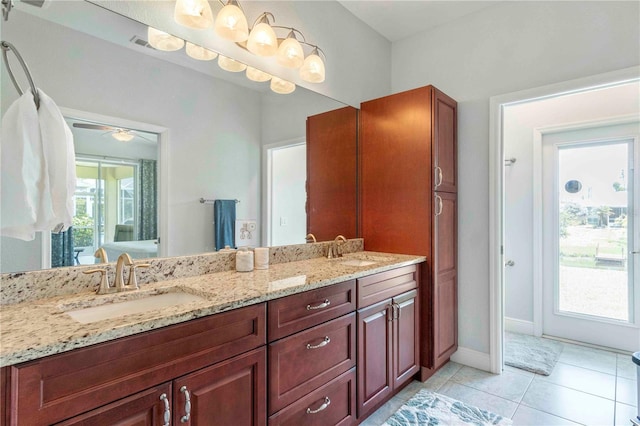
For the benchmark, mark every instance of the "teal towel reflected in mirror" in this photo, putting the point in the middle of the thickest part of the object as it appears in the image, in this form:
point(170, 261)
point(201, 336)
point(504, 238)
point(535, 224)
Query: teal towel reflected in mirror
point(224, 216)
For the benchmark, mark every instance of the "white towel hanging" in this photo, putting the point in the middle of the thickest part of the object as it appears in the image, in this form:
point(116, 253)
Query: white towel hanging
point(38, 169)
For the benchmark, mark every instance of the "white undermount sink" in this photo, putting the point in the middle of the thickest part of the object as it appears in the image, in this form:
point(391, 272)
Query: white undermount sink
point(357, 262)
point(137, 305)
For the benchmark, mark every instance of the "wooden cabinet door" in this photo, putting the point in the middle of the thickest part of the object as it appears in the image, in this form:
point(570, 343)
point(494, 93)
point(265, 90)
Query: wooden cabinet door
point(147, 408)
point(375, 378)
point(232, 392)
point(445, 284)
point(332, 173)
point(444, 142)
point(406, 337)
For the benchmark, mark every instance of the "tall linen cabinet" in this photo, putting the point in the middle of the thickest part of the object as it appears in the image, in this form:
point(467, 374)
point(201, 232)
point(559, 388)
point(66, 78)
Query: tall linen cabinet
point(408, 196)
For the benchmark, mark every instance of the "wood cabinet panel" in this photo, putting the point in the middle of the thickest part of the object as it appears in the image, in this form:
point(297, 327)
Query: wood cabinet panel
point(332, 173)
point(300, 363)
point(146, 408)
point(54, 388)
point(445, 280)
point(378, 287)
point(395, 172)
point(297, 312)
point(231, 392)
point(406, 343)
point(375, 352)
point(445, 152)
point(331, 404)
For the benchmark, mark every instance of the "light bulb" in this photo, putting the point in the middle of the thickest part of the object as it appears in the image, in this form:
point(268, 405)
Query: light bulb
point(193, 13)
point(290, 52)
point(123, 135)
point(230, 65)
point(200, 53)
point(257, 75)
point(281, 86)
point(262, 39)
point(163, 41)
point(231, 23)
point(313, 68)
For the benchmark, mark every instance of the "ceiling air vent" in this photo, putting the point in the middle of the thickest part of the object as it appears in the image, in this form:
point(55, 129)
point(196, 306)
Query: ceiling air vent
point(36, 3)
point(140, 42)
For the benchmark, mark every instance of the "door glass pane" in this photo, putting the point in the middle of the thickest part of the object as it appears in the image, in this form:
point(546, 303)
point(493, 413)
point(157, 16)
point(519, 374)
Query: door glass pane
point(593, 200)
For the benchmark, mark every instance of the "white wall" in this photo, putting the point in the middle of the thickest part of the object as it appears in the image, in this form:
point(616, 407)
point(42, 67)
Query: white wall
point(505, 48)
point(214, 148)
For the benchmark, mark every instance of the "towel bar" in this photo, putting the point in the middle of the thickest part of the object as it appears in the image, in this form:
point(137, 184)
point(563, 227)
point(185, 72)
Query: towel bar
point(206, 201)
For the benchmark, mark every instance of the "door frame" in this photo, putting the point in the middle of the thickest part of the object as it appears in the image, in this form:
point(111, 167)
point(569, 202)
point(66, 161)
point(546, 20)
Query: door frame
point(496, 190)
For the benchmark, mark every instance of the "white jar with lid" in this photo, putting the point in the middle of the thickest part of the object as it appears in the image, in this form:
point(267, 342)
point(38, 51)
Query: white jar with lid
point(244, 260)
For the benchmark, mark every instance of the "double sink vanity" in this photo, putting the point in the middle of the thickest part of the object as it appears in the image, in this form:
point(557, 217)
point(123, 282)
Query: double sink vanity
point(310, 340)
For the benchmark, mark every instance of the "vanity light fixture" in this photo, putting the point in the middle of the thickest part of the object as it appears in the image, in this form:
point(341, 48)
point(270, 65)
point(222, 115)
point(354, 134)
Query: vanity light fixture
point(231, 23)
point(123, 135)
point(230, 65)
point(163, 41)
point(193, 14)
point(313, 67)
point(255, 74)
point(281, 86)
point(290, 52)
point(199, 52)
point(262, 39)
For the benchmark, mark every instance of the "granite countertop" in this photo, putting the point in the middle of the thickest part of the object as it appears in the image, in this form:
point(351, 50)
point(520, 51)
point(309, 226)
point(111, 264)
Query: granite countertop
point(35, 329)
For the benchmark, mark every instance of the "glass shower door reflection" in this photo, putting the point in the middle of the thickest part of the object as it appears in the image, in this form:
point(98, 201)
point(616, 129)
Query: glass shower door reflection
point(594, 230)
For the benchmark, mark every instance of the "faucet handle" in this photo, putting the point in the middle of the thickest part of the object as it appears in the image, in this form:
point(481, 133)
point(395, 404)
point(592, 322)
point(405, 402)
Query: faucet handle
point(133, 281)
point(104, 287)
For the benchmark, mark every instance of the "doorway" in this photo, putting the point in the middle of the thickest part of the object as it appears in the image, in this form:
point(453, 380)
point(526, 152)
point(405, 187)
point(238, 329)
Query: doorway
point(588, 231)
point(285, 173)
point(513, 164)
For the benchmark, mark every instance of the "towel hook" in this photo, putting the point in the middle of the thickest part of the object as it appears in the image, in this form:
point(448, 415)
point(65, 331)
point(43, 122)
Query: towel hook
point(6, 46)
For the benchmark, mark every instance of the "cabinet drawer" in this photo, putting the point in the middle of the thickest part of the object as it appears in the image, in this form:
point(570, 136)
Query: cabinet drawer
point(385, 285)
point(294, 313)
point(331, 404)
point(301, 363)
point(61, 386)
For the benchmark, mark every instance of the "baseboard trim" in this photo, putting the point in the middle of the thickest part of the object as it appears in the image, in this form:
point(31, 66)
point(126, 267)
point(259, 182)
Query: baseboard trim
point(472, 358)
point(519, 326)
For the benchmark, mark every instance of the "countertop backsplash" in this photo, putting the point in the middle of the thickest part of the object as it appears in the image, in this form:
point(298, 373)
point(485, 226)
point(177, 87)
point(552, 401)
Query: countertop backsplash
point(36, 285)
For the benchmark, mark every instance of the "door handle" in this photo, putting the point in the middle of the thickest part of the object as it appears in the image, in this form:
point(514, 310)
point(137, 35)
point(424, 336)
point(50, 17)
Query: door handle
point(438, 176)
point(187, 405)
point(509, 263)
point(440, 206)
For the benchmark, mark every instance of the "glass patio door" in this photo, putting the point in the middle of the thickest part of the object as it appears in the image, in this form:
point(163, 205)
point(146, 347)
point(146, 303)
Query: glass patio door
point(590, 294)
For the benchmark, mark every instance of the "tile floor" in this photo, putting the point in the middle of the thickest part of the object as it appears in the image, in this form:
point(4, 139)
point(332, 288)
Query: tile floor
point(587, 386)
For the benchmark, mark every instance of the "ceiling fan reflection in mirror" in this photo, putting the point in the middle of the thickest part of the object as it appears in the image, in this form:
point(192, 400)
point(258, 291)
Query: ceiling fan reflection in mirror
point(118, 133)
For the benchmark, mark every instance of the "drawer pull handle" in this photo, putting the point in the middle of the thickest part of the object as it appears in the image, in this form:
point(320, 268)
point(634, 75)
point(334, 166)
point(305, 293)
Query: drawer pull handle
point(438, 176)
point(320, 306)
point(324, 406)
point(439, 212)
point(325, 342)
point(187, 405)
point(167, 410)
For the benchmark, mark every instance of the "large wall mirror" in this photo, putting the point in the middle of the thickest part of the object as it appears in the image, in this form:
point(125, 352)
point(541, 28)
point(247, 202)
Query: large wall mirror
point(207, 134)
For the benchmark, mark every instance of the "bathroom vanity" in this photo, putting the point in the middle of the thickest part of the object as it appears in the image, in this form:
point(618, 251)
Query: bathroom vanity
point(298, 343)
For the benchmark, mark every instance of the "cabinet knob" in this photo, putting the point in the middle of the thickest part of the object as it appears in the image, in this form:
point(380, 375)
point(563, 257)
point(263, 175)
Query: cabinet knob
point(187, 405)
point(324, 406)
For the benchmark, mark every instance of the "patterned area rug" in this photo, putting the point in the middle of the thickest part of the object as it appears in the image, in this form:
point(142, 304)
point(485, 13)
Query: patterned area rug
point(531, 353)
point(431, 409)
